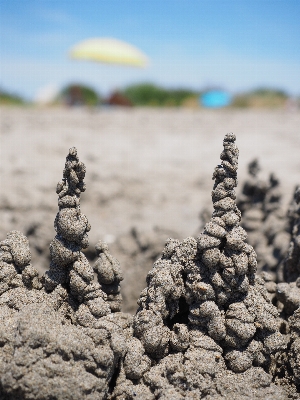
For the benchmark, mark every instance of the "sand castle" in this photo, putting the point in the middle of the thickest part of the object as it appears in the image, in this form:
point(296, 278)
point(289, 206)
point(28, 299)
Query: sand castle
point(68, 264)
point(266, 223)
point(205, 326)
point(70, 337)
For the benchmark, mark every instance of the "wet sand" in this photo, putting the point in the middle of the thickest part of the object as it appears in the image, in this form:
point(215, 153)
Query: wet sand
point(145, 167)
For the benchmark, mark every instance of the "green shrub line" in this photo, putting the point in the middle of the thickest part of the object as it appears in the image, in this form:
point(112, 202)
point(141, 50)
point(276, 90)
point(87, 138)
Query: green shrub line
point(148, 94)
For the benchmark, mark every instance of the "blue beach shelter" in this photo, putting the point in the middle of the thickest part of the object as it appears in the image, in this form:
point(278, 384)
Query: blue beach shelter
point(215, 99)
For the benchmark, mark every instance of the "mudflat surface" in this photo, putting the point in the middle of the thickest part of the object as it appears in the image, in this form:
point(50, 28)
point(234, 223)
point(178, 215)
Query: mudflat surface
point(145, 167)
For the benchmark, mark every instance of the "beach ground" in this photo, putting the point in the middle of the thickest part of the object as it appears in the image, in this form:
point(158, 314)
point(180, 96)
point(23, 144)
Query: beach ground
point(146, 168)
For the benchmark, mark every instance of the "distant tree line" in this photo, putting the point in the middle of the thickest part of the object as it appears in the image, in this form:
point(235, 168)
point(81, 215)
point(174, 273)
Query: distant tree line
point(145, 94)
point(261, 97)
point(148, 94)
point(151, 95)
point(77, 95)
point(10, 98)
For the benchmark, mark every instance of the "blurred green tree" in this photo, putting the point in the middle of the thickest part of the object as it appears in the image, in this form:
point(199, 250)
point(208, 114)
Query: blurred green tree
point(261, 97)
point(77, 94)
point(148, 94)
point(7, 98)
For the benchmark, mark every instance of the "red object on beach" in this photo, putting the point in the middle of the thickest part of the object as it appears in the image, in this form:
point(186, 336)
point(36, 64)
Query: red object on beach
point(118, 99)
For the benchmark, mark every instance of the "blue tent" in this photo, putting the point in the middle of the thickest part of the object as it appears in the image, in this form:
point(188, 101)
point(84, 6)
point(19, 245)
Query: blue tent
point(215, 99)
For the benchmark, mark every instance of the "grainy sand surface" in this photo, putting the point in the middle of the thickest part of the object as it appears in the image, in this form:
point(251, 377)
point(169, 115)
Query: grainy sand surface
point(145, 167)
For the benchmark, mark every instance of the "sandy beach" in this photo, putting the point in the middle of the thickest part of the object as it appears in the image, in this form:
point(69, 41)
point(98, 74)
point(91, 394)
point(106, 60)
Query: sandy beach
point(146, 168)
point(70, 325)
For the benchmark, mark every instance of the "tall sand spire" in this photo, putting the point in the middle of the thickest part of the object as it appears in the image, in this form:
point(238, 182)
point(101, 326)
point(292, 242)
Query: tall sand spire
point(206, 288)
point(69, 266)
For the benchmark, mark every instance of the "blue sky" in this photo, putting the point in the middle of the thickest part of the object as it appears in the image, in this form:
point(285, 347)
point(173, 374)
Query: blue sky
point(235, 44)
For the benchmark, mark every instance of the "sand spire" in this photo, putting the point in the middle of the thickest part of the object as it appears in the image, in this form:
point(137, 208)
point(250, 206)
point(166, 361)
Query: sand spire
point(70, 224)
point(69, 266)
point(206, 288)
point(227, 264)
point(229, 302)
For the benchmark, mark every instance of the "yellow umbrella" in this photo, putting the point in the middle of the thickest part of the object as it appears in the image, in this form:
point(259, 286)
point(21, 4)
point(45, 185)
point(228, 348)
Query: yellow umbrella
point(109, 50)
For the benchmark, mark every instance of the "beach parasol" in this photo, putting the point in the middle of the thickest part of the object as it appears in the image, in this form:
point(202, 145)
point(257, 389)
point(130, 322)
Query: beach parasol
point(215, 99)
point(108, 50)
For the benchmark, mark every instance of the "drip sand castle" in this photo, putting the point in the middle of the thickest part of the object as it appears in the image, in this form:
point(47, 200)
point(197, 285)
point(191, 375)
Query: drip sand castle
point(207, 326)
